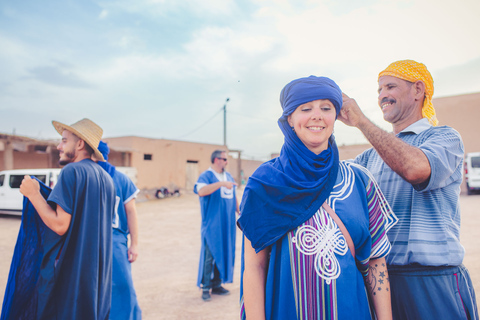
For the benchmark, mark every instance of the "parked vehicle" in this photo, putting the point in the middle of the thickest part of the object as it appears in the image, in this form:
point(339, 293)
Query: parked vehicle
point(11, 200)
point(472, 172)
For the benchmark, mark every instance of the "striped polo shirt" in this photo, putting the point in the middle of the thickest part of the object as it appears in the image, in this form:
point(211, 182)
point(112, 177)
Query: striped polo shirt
point(428, 230)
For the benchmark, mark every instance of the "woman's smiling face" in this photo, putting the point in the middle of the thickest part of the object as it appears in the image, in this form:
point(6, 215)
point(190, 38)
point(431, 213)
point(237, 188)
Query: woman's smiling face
point(313, 123)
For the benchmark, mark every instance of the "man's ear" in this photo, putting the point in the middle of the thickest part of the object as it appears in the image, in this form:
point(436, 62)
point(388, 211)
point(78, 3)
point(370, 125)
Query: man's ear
point(419, 87)
point(80, 144)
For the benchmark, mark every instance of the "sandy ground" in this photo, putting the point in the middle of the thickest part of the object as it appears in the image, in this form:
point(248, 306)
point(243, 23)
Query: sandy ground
point(166, 272)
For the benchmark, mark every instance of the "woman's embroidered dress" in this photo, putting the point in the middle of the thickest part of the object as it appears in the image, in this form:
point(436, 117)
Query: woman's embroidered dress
point(311, 272)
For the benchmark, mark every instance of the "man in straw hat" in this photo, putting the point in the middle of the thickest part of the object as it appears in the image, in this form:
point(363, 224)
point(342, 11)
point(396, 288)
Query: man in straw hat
point(419, 169)
point(76, 270)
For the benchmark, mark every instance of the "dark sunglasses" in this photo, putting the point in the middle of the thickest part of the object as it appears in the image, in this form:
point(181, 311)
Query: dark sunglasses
point(224, 159)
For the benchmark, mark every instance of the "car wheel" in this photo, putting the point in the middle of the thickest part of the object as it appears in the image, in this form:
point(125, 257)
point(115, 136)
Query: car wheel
point(469, 191)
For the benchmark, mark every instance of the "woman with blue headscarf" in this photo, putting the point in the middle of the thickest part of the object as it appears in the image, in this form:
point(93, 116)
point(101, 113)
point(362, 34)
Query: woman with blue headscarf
point(300, 259)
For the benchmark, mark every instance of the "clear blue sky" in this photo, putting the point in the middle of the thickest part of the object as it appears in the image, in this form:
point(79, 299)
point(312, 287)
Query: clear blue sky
point(163, 68)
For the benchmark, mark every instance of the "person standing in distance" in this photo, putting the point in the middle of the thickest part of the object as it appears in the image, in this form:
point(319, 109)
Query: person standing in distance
point(216, 189)
point(75, 279)
point(419, 169)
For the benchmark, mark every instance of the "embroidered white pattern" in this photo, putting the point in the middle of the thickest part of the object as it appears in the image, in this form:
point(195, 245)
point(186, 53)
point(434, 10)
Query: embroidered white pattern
point(226, 193)
point(323, 239)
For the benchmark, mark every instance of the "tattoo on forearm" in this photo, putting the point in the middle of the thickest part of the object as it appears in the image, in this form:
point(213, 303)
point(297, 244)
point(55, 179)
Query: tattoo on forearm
point(377, 279)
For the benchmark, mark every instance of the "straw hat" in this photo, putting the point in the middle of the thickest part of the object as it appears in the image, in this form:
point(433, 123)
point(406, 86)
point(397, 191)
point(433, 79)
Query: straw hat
point(85, 129)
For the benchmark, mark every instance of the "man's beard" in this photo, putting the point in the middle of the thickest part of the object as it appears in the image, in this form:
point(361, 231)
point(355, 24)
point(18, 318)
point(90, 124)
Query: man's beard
point(69, 156)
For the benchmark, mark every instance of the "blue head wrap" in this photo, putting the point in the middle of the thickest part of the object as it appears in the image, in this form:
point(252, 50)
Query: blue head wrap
point(304, 90)
point(286, 191)
point(105, 150)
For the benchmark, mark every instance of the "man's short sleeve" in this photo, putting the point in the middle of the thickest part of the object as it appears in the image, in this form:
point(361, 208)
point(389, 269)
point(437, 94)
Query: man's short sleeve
point(201, 182)
point(64, 191)
point(128, 189)
point(444, 151)
point(362, 159)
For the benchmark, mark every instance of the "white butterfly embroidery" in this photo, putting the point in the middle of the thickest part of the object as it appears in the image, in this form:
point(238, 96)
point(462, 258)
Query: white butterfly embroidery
point(323, 240)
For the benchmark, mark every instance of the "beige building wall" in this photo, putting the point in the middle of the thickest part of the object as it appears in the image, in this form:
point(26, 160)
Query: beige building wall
point(463, 114)
point(171, 162)
point(17, 152)
point(350, 152)
point(247, 167)
point(23, 160)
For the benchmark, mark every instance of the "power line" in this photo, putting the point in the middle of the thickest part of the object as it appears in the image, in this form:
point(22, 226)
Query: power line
point(249, 116)
point(220, 110)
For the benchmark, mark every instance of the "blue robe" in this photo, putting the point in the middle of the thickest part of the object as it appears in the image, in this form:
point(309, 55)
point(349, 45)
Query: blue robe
point(124, 299)
point(83, 280)
point(75, 274)
point(218, 227)
point(295, 289)
point(20, 297)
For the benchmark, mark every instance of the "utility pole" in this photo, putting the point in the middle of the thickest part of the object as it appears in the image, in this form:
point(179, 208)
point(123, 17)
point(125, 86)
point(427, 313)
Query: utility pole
point(225, 122)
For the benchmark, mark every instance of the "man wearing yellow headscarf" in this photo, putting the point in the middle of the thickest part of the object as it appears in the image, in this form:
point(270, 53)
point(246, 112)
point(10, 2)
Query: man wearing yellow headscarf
point(419, 169)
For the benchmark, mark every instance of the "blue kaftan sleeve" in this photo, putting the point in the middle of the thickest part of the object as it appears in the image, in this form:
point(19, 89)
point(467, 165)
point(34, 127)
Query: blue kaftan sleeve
point(205, 178)
point(64, 191)
point(128, 190)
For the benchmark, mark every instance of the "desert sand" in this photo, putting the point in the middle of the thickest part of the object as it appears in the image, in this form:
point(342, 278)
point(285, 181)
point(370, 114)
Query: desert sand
point(165, 273)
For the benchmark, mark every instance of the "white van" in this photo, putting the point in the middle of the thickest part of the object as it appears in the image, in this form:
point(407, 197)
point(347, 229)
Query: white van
point(11, 200)
point(472, 171)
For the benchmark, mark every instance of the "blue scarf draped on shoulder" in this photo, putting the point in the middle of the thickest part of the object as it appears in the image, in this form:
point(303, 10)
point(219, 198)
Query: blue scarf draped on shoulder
point(286, 191)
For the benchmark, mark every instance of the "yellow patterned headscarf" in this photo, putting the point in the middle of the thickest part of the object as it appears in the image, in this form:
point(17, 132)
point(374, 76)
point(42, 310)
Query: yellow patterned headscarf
point(412, 71)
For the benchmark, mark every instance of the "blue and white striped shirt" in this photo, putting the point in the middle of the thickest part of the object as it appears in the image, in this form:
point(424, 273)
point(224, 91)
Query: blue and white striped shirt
point(428, 230)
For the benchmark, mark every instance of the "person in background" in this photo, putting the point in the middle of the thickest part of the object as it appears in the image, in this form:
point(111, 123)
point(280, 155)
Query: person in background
point(419, 169)
point(124, 299)
point(216, 189)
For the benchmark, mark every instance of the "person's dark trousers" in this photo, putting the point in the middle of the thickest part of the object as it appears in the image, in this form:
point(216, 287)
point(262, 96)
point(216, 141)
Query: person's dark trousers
point(432, 293)
point(209, 264)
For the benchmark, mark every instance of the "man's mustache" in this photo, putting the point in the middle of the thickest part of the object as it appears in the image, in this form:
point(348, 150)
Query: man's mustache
point(385, 100)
